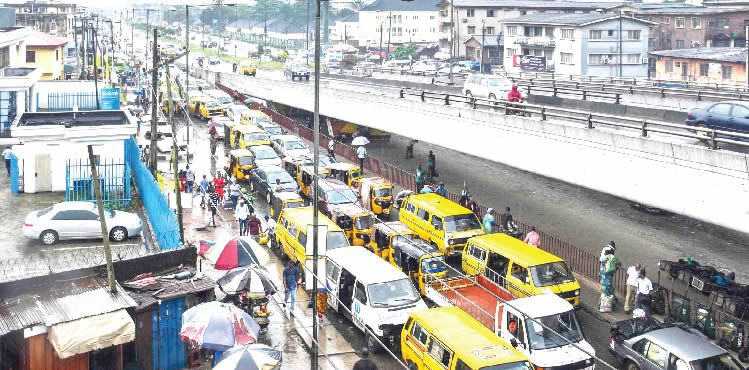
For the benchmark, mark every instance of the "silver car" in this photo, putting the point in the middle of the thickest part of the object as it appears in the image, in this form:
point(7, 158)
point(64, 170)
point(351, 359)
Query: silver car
point(645, 344)
point(79, 220)
point(265, 156)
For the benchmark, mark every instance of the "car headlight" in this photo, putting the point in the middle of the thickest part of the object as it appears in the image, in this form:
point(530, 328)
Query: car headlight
point(451, 241)
point(577, 292)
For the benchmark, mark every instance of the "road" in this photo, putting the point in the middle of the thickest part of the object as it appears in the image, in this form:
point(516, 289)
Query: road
point(596, 331)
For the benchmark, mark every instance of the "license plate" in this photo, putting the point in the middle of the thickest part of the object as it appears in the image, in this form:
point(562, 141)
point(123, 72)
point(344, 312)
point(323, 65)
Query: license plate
point(386, 211)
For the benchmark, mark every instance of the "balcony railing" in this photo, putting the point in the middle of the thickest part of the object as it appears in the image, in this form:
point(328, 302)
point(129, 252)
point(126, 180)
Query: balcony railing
point(541, 41)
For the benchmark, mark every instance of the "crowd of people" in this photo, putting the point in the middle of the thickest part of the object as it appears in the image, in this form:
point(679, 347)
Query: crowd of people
point(638, 299)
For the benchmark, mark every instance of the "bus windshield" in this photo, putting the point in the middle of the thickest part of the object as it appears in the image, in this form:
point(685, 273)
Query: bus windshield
point(335, 240)
point(460, 223)
point(564, 324)
point(551, 274)
point(393, 293)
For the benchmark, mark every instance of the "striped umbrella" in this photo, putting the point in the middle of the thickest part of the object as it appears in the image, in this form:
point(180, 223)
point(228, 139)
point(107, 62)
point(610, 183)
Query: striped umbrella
point(252, 357)
point(218, 326)
point(252, 279)
point(237, 252)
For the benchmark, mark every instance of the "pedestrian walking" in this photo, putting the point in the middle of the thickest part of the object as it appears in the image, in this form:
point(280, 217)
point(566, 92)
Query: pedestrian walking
point(488, 221)
point(419, 178)
point(532, 238)
point(364, 363)
point(426, 190)
point(644, 296)
point(431, 165)
point(464, 195)
point(212, 203)
point(242, 214)
point(214, 140)
point(219, 183)
point(470, 204)
point(289, 285)
point(190, 177)
point(609, 264)
point(410, 149)
point(609, 248)
point(234, 189)
point(254, 225)
point(6, 156)
point(505, 220)
point(322, 304)
point(633, 273)
point(331, 148)
point(361, 153)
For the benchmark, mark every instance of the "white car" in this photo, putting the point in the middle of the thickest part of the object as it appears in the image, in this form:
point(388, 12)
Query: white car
point(234, 112)
point(424, 68)
point(265, 156)
point(79, 220)
point(290, 146)
point(487, 86)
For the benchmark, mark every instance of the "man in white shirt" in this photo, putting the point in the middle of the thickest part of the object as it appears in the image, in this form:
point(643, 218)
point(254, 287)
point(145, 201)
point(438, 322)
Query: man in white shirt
point(331, 148)
point(644, 293)
point(6, 156)
point(361, 152)
point(633, 272)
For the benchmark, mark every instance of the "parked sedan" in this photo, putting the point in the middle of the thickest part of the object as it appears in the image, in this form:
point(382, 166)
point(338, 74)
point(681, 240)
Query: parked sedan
point(727, 116)
point(265, 156)
point(263, 181)
point(79, 220)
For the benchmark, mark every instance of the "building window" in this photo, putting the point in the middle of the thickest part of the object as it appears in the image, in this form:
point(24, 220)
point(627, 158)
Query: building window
point(432, 17)
point(631, 58)
point(680, 44)
point(679, 23)
point(4, 57)
point(490, 13)
point(726, 72)
point(471, 30)
point(57, 54)
point(470, 12)
point(633, 35)
point(595, 34)
point(696, 22)
point(568, 33)
point(566, 58)
point(549, 31)
point(669, 66)
point(611, 33)
point(666, 20)
point(533, 31)
point(30, 56)
point(523, 12)
point(489, 30)
point(704, 68)
point(510, 52)
point(512, 30)
point(596, 59)
point(722, 22)
point(678, 64)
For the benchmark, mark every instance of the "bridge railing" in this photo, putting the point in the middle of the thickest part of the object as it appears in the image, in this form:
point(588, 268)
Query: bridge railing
point(589, 119)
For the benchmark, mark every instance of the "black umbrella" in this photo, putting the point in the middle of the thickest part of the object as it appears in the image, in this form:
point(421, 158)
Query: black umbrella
point(251, 357)
point(252, 279)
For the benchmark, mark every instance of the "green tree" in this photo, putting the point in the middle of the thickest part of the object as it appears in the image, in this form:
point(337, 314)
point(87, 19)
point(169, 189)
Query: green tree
point(283, 55)
point(404, 51)
point(260, 50)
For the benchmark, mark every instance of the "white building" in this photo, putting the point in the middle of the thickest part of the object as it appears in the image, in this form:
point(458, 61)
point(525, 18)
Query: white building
point(17, 82)
point(470, 16)
point(50, 140)
point(398, 22)
point(577, 44)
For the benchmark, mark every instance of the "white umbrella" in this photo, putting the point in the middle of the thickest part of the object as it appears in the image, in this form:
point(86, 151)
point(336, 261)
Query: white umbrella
point(360, 140)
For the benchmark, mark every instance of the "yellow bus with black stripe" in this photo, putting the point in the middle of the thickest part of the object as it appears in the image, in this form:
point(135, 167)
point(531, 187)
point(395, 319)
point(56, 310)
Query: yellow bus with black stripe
point(440, 221)
point(291, 233)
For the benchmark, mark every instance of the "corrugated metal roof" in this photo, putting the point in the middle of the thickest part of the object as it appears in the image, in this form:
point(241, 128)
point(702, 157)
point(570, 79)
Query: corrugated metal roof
point(145, 297)
point(534, 4)
point(62, 302)
point(576, 19)
point(732, 55)
point(402, 6)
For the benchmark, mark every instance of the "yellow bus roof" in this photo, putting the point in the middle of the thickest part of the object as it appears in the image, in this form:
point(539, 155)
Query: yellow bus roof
point(472, 341)
point(302, 217)
point(249, 129)
point(394, 228)
point(515, 249)
point(254, 113)
point(436, 204)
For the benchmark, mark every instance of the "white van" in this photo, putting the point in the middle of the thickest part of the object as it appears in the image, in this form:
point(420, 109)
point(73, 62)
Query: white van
point(234, 112)
point(487, 86)
point(379, 296)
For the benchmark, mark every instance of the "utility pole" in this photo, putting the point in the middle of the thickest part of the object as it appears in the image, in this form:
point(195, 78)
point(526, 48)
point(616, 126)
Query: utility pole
point(77, 51)
point(84, 41)
point(746, 45)
point(175, 149)
point(382, 59)
point(265, 24)
point(96, 75)
point(326, 18)
point(316, 160)
point(390, 30)
point(154, 125)
point(306, 35)
point(483, 43)
point(452, 39)
point(102, 221)
point(187, 68)
point(132, 39)
point(111, 51)
point(620, 44)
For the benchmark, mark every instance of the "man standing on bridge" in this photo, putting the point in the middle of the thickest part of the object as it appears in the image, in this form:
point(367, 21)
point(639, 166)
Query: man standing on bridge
point(361, 152)
point(431, 165)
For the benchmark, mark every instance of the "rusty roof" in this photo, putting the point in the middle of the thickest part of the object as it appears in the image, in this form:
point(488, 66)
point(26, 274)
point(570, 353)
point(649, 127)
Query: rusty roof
point(146, 297)
point(62, 302)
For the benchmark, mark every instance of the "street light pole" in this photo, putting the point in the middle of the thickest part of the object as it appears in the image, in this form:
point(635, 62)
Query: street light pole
point(382, 59)
point(390, 28)
point(315, 160)
point(452, 38)
point(187, 68)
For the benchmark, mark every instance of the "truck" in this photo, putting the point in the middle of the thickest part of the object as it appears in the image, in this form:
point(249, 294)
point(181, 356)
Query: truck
point(518, 321)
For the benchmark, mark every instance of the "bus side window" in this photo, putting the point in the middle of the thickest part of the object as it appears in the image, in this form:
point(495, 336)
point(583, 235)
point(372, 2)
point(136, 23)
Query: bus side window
point(410, 208)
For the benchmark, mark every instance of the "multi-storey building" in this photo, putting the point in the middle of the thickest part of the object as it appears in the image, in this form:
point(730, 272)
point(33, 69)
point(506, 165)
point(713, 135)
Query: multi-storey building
point(54, 18)
point(693, 27)
point(397, 22)
point(577, 44)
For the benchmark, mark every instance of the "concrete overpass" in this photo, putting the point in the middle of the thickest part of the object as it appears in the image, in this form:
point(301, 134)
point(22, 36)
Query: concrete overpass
point(688, 179)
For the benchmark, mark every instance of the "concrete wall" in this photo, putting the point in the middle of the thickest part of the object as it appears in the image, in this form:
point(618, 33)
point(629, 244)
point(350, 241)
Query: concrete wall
point(43, 88)
point(712, 186)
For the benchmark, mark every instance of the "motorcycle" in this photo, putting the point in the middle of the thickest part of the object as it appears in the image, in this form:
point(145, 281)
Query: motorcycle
point(517, 108)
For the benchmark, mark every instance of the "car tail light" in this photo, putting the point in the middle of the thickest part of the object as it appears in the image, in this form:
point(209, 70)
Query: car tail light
point(28, 225)
point(689, 114)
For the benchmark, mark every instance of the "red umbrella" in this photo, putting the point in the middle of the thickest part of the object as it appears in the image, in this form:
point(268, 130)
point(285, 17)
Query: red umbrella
point(237, 252)
point(205, 245)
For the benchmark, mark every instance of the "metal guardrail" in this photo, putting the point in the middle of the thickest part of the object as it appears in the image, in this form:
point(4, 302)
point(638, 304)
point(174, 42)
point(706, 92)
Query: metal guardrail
point(589, 119)
point(545, 84)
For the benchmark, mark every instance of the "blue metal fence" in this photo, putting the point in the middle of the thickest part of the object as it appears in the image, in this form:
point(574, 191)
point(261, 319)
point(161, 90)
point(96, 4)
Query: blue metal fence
point(163, 220)
point(114, 181)
point(63, 101)
point(14, 174)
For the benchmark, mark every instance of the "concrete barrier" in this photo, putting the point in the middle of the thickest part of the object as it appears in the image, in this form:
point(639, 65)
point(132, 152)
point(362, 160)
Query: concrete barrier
point(712, 186)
